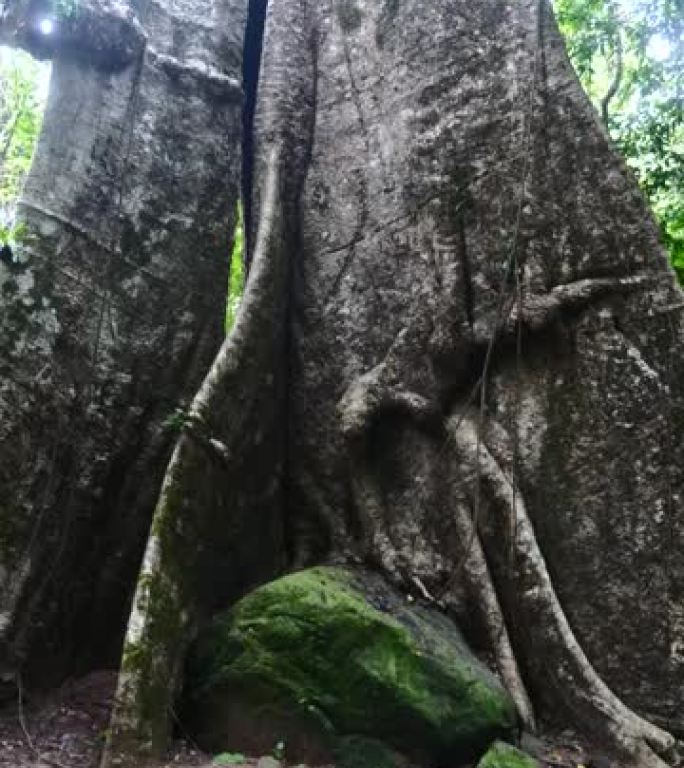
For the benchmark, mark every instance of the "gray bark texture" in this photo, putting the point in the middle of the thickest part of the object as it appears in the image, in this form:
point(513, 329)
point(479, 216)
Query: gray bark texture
point(114, 311)
point(469, 237)
point(458, 360)
point(461, 295)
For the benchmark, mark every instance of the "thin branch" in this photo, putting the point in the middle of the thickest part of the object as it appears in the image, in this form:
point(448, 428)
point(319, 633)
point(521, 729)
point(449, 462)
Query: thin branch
point(20, 714)
point(617, 79)
point(27, 735)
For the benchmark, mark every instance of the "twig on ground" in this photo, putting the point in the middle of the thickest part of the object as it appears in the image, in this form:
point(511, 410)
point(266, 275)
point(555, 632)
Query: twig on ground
point(27, 735)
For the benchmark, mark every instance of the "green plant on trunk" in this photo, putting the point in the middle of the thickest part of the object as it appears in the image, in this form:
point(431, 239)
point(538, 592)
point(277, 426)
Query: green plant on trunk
point(236, 282)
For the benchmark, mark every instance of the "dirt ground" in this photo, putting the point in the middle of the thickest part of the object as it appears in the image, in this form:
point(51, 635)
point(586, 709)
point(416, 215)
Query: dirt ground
point(66, 729)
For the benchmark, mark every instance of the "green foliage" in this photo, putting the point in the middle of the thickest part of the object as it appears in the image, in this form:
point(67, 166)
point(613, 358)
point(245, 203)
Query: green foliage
point(501, 755)
point(654, 147)
point(590, 28)
point(21, 112)
point(176, 421)
point(65, 9)
point(278, 750)
point(236, 283)
point(229, 758)
point(13, 234)
point(22, 102)
point(634, 50)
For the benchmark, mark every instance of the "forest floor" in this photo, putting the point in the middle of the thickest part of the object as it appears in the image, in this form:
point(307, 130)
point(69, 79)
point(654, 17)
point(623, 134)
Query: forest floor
point(66, 729)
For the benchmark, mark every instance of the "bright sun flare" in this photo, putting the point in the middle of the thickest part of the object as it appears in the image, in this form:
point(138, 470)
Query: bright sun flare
point(659, 48)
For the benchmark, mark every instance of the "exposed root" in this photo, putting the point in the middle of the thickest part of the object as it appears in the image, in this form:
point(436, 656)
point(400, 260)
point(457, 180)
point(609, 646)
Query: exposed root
point(594, 705)
point(539, 311)
point(381, 389)
point(166, 605)
point(479, 584)
point(583, 691)
point(196, 429)
point(368, 395)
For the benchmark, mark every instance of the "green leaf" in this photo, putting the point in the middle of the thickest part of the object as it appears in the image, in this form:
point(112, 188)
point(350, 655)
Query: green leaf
point(229, 758)
point(646, 119)
point(21, 113)
point(176, 421)
point(237, 272)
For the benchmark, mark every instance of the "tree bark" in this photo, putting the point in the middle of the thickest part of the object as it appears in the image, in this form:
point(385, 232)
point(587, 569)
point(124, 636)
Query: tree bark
point(469, 317)
point(113, 314)
point(221, 522)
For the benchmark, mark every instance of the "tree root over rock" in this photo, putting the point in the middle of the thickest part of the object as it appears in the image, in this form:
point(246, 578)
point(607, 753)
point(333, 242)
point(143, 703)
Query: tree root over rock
point(582, 690)
point(577, 684)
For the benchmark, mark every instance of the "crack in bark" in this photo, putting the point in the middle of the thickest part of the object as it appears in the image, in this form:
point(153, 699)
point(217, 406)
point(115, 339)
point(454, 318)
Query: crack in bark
point(466, 270)
point(364, 212)
point(251, 68)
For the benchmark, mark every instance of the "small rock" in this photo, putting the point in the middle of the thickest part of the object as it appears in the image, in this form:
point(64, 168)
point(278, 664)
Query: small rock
point(533, 745)
point(600, 761)
point(268, 762)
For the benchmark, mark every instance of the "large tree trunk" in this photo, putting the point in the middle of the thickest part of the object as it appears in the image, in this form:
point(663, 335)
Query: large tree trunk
point(462, 299)
point(113, 314)
point(219, 523)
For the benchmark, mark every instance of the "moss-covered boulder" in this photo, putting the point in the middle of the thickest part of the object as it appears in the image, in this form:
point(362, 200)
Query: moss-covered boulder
point(327, 653)
point(501, 755)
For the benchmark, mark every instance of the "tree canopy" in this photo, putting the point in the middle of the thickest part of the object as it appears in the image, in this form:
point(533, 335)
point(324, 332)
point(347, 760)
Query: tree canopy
point(22, 100)
point(629, 57)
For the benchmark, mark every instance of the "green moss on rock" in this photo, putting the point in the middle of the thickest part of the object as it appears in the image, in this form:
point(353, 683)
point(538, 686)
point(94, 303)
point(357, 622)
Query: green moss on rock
point(501, 755)
point(330, 652)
